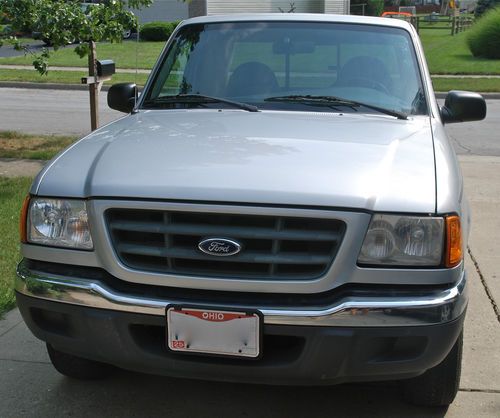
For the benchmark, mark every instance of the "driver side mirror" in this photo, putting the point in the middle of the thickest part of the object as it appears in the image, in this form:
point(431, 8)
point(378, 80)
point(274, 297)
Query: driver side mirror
point(463, 106)
point(122, 97)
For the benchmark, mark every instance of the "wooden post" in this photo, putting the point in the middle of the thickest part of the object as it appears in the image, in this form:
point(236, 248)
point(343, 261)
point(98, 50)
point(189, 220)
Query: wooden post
point(93, 88)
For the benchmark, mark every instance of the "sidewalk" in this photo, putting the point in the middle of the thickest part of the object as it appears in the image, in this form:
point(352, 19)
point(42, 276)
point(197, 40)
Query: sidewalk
point(31, 387)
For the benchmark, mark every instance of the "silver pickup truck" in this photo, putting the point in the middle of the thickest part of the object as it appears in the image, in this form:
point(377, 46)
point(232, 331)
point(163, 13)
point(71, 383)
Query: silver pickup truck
point(281, 205)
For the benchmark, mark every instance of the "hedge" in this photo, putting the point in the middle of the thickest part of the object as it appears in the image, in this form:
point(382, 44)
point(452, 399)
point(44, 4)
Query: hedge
point(157, 31)
point(484, 37)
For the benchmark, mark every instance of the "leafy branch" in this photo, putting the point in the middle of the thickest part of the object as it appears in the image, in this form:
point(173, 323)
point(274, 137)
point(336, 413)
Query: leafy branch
point(63, 22)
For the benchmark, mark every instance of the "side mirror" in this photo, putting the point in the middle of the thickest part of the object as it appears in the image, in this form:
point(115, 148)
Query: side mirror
point(122, 97)
point(463, 106)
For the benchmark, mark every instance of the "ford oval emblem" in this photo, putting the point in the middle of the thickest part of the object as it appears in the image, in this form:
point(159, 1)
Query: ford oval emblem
point(219, 246)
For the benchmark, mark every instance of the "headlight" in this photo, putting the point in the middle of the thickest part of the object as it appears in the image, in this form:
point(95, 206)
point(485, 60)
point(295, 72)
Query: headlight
point(403, 241)
point(59, 223)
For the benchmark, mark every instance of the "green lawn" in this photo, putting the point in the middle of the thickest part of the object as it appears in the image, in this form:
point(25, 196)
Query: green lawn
point(12, 192)
point(123, 54)
point(445, 54)
point(36, 147)
point(64, 77)
point(448, 54)
point(481, 85)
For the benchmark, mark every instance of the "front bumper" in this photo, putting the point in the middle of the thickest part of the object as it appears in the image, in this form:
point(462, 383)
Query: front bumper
point(354, 339)
point(388, 310)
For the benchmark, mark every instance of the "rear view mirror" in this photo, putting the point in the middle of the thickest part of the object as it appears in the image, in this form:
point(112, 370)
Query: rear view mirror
point(463, 106)
point(287, 46)
point(122, 97)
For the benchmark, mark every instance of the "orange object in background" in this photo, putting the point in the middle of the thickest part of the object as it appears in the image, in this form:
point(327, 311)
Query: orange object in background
point(396, 14)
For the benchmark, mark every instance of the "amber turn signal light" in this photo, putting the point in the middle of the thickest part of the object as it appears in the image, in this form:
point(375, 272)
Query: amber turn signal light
point(23, 220)
point(453, 241)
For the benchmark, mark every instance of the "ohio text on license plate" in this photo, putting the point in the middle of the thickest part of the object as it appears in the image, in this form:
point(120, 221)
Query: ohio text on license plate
point(216, 332)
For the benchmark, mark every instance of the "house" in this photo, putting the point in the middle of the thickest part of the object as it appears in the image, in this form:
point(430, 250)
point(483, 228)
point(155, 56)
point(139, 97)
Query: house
point(212, 7)
point(170, 10)
point(163, 10)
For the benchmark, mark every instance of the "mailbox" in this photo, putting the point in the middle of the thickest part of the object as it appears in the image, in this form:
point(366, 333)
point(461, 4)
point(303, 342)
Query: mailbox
point(105, 68)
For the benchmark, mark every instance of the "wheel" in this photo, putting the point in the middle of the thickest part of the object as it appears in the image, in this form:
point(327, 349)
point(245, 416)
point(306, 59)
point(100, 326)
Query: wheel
point(127, 34)
point(77, 367)
point(437, 386)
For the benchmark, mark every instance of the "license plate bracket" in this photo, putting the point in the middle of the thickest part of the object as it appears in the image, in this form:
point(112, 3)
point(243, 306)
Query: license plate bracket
point(214, 331)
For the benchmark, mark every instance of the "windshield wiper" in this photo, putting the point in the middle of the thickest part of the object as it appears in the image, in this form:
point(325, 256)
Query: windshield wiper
point(334, 101)
point(199, 98)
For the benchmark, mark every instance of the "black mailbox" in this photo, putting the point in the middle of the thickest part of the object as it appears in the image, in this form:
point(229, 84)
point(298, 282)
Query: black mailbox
point(105, 68)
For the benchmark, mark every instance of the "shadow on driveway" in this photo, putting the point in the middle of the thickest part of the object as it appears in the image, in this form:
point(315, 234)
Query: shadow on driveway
point(135, 395)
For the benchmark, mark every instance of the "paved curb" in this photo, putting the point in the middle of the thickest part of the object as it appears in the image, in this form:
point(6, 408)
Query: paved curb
point(46, 86)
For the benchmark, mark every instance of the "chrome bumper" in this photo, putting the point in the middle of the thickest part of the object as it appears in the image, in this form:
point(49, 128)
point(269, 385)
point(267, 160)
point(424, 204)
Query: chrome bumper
point(423, 309)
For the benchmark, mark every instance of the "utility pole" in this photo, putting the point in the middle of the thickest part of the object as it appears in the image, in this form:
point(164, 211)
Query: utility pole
point(93, 87)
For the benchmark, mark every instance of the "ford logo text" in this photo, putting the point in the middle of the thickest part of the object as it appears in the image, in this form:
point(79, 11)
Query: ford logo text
point(219, 246)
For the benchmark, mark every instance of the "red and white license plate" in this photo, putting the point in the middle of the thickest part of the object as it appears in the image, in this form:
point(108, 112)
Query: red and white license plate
point(216, 332)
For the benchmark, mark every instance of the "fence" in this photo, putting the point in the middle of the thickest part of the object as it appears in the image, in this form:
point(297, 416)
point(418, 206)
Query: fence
point(454, 24)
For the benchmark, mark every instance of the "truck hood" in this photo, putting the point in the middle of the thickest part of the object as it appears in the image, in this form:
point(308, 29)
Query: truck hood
point(369, 162)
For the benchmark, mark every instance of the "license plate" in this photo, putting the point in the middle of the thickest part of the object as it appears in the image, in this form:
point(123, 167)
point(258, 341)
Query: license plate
point(213, 331)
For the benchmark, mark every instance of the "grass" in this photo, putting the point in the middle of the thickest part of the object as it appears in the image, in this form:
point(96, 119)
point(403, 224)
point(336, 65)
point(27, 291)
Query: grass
point(448, 54)
point(481, 85)
point(123, 54)
point(36, 147)
point(445, 54)
point(64, 77)
point(12, 192)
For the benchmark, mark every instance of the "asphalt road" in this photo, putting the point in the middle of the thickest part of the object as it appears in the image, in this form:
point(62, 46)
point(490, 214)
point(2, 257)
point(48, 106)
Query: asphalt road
point(8, 51)
point(67, 112)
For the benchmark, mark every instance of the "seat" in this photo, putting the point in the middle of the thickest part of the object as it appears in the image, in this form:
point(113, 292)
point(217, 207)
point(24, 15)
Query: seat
point(364, 71)
point(251, 78)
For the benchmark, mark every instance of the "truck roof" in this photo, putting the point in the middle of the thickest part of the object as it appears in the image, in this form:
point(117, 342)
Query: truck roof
point(299, 17)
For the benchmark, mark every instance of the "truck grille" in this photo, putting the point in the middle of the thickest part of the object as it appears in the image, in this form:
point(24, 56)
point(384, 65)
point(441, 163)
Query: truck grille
point(274, 247)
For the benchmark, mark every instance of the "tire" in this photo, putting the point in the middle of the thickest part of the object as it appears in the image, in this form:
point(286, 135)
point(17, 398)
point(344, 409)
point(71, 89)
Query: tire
point(127, 33)
point(437, 386)
point(77, 367)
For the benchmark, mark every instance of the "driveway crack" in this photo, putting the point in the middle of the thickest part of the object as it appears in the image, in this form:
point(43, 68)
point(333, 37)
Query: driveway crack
point(479, 390)
point(485, 285)
point(11, 328)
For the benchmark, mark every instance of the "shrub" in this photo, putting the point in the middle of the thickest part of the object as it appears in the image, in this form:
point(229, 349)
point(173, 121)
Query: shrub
point(157, 31)
point(483, 38)
point(484, 5)
point(375, 7)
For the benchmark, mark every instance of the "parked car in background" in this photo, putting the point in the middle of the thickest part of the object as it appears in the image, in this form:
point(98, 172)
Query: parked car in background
point(281, 206)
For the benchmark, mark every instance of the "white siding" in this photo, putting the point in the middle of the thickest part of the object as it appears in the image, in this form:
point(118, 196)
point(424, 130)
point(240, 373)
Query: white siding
point(263, 6)
point(163, 10)
point(338, 7)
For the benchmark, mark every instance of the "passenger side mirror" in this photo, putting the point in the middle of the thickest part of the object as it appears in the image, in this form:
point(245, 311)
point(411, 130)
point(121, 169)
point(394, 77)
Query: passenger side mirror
point(463, 106)
point(122, 97)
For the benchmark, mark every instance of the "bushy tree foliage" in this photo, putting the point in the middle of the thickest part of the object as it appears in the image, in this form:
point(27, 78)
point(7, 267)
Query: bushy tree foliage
point(484, 37)
point(64, 21)
point(484, 5)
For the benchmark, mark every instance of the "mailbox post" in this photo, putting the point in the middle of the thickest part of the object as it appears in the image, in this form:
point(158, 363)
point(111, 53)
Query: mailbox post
point(99, 72)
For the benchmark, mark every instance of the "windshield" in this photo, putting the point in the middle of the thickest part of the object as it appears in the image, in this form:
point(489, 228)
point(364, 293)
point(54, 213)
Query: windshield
point(253, 62)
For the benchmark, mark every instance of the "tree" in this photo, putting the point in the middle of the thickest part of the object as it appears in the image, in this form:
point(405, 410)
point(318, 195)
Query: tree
point(63, 22)
point(485, 5)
